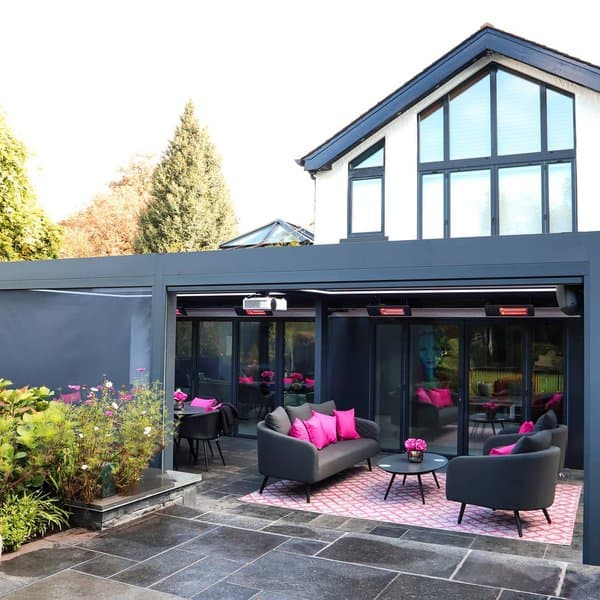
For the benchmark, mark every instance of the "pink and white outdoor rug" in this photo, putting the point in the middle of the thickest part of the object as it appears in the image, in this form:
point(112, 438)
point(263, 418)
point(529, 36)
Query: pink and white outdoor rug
point(359, 493)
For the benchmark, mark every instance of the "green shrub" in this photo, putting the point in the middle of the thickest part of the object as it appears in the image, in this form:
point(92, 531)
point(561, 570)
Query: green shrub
point(24, 515)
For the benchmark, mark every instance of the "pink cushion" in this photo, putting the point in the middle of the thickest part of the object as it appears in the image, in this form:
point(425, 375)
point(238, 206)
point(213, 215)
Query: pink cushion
point(298, 430)
point(526, 427)
point(329, 425)
point(204, 402)
point(246, 379)
point(422, 396)
point(554, 401)
point(445, 396)
point(297, 376)
point(315, 432)
point(435, 398)
point(345, 424)
point(288, 380)
point(502, 450)
point(309, 382)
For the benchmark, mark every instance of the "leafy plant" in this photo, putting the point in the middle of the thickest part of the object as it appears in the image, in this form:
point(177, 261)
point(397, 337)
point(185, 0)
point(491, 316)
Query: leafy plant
point(24, 515)
point(121, 430)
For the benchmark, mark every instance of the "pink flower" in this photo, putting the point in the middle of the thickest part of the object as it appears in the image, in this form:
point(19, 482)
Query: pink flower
point(125, 396)
point(109, 413)
point(88, 402)
point(179, 396)
point(420, 445)
point(409, 444)
point(74, 387)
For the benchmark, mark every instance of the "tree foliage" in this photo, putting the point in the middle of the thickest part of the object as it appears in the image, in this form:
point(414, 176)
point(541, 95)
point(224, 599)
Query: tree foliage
point(109, 226)
point(190, 207)
point(26, 232)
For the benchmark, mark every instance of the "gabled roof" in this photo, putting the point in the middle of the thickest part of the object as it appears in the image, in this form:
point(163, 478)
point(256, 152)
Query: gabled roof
point(275, 233)
point(487, 39)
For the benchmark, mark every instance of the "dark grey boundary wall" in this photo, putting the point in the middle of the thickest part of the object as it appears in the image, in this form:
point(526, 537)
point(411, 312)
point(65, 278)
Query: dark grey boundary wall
point(556, 258)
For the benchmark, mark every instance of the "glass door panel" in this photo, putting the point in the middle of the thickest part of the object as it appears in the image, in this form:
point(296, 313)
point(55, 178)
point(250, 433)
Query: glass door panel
point(213, 362)
point(547, 383)
point(495, 388)
point(256, 379)
point(298, 363)
point(388, 383)
point(183, 356)
point(434, 385)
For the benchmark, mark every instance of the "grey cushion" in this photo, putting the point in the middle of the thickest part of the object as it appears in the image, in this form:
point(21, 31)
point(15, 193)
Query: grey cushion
point(546, 421)
point(341, 455)
point(304, 411)
point(326, 408)
point(278, 420)
point(533, 443)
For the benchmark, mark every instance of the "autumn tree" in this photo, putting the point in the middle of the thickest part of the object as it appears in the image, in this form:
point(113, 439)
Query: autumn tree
point(109, 226)
point(26, 232)
point(190, 208)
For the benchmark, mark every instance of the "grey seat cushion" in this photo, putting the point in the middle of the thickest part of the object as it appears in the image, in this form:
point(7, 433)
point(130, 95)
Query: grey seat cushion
point(533, 443)
point(278, 420)
point(304, 411)
point(341, 455)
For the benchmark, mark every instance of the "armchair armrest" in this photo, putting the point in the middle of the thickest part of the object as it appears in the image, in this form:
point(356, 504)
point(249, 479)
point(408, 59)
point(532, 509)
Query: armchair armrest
point(282, 456)
point(367, 429)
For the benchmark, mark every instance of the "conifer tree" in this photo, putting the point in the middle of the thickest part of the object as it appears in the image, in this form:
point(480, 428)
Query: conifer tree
point(26, 232)
point(189, 208)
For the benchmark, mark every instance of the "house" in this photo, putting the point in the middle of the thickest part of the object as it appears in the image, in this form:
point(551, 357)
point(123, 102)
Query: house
point(453, 284)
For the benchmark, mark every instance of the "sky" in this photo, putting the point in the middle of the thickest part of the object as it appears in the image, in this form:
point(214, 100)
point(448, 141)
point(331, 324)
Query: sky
point(89, 85)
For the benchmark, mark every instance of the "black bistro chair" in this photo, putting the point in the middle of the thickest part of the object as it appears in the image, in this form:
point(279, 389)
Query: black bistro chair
point(202, 427)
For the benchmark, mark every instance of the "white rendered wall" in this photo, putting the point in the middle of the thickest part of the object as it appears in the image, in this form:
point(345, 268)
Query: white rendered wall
point(331, 220)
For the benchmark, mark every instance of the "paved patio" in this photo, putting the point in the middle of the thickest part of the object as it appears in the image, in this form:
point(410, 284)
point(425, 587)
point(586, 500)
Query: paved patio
point(228, 549)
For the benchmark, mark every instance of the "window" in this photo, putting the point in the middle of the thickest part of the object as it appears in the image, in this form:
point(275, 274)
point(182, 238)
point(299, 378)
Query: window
point(365, 193)
point(496, 157)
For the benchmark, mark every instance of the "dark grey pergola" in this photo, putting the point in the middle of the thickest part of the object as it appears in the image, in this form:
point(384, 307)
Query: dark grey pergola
point(572, 258)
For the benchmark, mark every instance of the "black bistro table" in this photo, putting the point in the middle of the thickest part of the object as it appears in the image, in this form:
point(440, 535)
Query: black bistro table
point(398, 464)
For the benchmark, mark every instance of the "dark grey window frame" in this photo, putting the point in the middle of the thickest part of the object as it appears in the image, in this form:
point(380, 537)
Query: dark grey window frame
point(357, 174)
point(494, 162)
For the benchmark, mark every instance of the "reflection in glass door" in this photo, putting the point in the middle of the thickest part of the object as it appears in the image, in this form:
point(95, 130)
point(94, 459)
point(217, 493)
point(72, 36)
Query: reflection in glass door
point(298, 362)
point(547, 383)
point(256, 380)
point(495, 387)
point(434, 385)
point(388, 383)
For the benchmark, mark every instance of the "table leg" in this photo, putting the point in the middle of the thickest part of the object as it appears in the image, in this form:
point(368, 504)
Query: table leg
point(493, 428)
point(421, 487)
point(404, 479)
point(436, 479)
point(389, 486)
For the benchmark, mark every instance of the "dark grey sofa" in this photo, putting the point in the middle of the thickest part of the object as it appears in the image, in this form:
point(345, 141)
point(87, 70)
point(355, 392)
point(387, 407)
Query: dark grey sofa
point(525, 481)
point(285, 457)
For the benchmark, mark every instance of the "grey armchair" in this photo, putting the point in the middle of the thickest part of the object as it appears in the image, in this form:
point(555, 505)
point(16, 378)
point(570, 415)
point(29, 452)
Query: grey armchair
point(285, 457)
point(514, 482)
point(559, 438)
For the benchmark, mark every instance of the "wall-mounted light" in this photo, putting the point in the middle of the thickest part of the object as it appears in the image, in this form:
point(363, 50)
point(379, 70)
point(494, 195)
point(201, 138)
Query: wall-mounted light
point(497, 310)
point(381, 310)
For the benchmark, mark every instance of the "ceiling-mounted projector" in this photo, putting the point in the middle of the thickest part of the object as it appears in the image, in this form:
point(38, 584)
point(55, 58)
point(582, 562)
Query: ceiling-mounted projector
point(264, 303)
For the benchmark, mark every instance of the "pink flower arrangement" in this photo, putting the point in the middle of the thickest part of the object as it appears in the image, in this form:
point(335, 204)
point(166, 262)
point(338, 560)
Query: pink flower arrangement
point(490, 406)
point(415, 444)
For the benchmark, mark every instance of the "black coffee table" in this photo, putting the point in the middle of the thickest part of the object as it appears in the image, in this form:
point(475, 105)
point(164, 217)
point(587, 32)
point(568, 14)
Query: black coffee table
point(398, 464)
point(482, 419)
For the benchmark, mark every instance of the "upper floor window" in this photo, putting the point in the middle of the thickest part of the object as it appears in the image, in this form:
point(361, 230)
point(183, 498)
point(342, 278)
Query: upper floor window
point(365, 192)
point(496, 157)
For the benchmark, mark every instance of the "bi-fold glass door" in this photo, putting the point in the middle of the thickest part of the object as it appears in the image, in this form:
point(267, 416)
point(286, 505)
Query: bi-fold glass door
point(454, 383)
